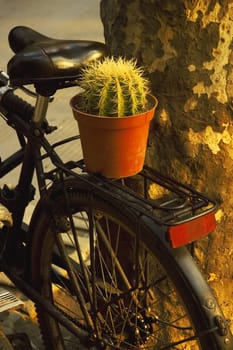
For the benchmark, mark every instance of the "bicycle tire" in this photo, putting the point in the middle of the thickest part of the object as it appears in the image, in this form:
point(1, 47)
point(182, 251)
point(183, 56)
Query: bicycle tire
point(125, 306)
point(5, 343)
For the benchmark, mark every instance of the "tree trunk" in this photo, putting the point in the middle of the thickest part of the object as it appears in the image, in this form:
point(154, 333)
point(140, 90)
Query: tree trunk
point(186, 47)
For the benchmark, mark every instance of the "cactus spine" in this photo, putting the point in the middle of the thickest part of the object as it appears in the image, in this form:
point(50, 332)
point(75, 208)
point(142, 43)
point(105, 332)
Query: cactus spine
point(114, 88)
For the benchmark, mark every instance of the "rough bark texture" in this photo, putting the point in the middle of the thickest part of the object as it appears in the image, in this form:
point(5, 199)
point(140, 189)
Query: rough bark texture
point(186, 47)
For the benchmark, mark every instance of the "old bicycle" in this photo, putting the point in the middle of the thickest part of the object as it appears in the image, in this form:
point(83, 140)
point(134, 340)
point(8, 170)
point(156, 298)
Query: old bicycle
point(134, 285)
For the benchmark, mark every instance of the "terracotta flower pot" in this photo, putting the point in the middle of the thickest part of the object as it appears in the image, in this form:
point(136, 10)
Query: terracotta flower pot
point(114, 147)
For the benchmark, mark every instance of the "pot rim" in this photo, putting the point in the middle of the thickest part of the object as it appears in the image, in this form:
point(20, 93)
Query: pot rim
point(74, 102)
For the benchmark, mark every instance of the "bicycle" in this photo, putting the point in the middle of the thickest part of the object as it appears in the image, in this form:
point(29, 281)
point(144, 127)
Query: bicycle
point(134, 285)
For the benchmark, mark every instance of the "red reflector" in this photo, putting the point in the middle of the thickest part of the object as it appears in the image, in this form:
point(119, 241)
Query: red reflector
point(191, 230)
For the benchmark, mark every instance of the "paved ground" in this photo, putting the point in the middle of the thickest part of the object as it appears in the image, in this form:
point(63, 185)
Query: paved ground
point(72, 19)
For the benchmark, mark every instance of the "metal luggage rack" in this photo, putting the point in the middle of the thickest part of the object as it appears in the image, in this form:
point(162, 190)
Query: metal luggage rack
point(177, 204)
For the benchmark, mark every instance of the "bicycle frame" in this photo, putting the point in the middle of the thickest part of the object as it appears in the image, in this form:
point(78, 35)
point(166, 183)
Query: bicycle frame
point(29, 155)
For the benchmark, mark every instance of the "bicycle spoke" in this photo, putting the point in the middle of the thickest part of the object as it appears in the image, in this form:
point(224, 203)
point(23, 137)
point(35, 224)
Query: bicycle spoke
point(73, 279)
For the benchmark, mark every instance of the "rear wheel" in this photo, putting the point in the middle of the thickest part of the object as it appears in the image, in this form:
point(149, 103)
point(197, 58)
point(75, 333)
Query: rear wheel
point(110, 274)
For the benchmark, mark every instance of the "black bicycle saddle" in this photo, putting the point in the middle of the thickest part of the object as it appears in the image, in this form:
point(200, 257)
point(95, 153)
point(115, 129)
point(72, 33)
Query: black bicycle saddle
point(42, 60)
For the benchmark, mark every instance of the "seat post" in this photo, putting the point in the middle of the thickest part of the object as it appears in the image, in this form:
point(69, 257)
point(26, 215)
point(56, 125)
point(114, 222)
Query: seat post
point(41, 108)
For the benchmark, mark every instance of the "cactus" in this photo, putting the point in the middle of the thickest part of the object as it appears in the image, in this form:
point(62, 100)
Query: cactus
point(114, 88)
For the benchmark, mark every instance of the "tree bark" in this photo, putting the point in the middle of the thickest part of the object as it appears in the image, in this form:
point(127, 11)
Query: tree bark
point(186, 47)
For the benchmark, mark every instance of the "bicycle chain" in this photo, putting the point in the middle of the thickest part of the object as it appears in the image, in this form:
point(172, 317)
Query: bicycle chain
point(74, 320)
point(102, 343)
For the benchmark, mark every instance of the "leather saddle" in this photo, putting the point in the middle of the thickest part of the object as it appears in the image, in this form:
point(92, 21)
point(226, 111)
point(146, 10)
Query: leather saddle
point(48, 63)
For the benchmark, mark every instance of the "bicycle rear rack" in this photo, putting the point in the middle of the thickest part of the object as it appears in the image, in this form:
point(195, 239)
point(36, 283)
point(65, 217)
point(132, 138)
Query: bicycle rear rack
point(168, 201)
point(187, 213)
